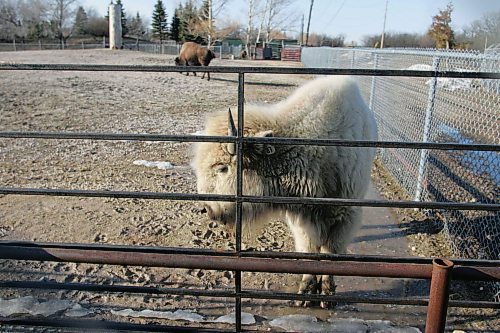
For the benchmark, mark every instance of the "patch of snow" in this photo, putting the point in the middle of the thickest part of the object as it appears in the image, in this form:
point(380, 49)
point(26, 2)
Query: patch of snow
point(77, 311)
point(304, 323)
point(246, 319)
point(29, 305)
point(420, 67)
point(446, 83)
point(298, 323)
point(452, 84)
point(177, 315)
point(154, 164)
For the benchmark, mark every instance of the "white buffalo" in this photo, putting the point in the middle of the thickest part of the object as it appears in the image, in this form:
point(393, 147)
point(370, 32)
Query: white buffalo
point(329, 108)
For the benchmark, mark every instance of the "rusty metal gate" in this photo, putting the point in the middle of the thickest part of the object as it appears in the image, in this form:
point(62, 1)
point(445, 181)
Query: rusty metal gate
point(439, 271)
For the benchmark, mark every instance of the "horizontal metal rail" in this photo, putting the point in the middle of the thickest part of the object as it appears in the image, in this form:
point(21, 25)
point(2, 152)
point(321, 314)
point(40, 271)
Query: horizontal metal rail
point(222, 293)
point(248, 140)
point(92, 325)
point(342, 268)
point(249, 70)
point(251, 199)
point(244, 253)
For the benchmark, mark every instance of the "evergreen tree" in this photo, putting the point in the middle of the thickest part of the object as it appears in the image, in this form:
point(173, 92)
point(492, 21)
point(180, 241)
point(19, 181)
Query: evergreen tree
point(175, 27)
point(81, 20)
point(205, 10)
point(136, 26)
point(159, 25)
point(123, 19)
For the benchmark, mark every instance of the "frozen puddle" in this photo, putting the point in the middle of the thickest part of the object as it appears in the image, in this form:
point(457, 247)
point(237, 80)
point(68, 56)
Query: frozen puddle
point(304, 323)
point(296, 323)
point(177, 315)
point(186, 315)
point(31, 306)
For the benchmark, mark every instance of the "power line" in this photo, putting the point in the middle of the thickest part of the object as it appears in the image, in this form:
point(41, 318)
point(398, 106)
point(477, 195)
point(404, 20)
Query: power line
point(337, 13)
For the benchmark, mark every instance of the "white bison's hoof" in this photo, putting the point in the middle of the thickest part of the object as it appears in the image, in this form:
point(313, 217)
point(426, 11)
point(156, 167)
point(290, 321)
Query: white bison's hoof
point(328, 288)
point(308, 285)
point(311, 285)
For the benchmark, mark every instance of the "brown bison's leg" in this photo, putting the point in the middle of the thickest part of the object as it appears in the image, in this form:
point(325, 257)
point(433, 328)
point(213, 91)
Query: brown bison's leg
point(306, 238)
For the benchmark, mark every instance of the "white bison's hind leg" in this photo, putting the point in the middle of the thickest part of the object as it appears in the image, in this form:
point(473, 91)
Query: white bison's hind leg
point(340, 232)
point(306, 238)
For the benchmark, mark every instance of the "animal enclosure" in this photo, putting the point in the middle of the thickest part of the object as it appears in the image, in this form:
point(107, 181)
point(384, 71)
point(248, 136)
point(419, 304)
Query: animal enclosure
point(112, 134)
point(450, 110)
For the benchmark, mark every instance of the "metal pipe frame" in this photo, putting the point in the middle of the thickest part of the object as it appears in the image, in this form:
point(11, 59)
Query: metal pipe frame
point(368, 266)
point(438, 297)
point(248, 140)
point(249, 70)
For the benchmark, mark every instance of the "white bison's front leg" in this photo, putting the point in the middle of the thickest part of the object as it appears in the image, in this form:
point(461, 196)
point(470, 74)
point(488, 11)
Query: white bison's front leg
point(306, 239)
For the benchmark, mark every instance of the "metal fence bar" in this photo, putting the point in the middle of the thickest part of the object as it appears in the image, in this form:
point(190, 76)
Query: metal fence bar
point(91, 325)
point(224, 293)
point(176, 260)
point(250, 140)
point(249, 254)
point(253, 199)
point(250, 70)
point(239, 189)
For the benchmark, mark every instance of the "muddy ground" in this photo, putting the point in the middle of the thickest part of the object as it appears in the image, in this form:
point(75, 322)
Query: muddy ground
point(153, 103)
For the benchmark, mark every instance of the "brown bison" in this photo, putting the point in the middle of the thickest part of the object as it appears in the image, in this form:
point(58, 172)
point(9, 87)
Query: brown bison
point(193, 54)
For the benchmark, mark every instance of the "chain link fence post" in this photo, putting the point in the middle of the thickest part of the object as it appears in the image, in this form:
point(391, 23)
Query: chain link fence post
point(431, 97)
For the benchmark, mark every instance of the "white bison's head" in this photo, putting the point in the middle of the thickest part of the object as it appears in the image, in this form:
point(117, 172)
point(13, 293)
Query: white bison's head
point(215, 166)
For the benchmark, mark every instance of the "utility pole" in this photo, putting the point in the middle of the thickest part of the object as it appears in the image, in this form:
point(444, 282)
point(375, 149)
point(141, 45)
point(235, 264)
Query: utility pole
point(210, 23)
point(302, 30)
point(309, 22)
point(383, 28)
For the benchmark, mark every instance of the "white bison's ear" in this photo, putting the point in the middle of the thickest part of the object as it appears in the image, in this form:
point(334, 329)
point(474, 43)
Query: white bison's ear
point(264, 148)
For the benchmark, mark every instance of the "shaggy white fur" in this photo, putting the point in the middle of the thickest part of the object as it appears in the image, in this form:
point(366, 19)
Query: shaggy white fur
point(328, 107)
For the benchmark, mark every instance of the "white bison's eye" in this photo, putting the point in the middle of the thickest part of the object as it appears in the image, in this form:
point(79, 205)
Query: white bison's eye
point(221, 168)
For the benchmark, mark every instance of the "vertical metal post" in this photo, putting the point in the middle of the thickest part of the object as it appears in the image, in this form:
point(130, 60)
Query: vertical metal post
point(438, 296)
point(374, 79)
point(431, 97)
point(239, 193)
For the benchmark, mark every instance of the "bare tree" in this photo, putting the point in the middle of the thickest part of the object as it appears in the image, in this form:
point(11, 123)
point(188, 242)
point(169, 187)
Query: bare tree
point(483, 32)
point(210, 11)
point(61, 13)
point(23, 19)
point(252, 4)
point(279, 16)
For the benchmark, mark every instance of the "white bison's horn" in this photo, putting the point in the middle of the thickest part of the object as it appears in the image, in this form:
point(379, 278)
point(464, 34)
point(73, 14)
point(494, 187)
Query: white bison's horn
point(231, 131)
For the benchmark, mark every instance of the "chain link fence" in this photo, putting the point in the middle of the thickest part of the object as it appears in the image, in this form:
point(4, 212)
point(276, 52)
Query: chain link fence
point(436, 110)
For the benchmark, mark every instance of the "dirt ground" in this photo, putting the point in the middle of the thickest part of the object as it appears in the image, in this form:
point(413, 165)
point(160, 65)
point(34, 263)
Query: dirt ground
point(128, 102)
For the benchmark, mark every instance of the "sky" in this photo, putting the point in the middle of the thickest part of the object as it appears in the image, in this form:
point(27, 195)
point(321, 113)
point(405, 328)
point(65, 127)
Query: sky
point(353, 18)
